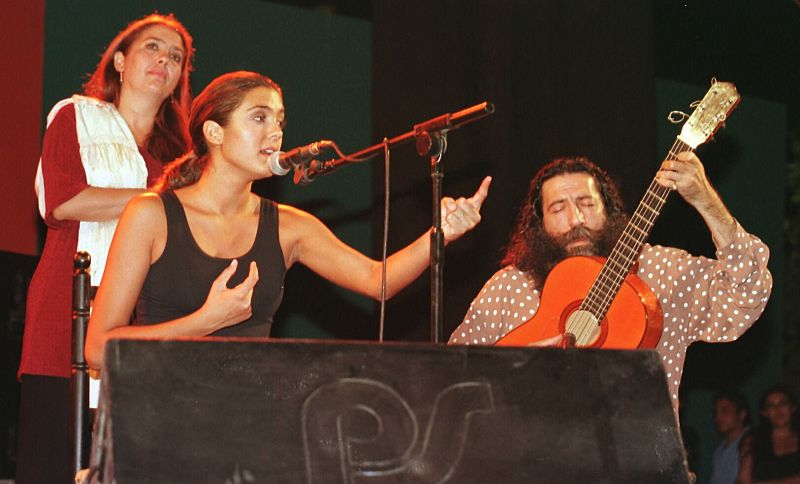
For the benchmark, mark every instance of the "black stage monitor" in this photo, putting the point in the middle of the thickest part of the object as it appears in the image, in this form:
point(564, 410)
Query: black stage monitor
point(238, 411)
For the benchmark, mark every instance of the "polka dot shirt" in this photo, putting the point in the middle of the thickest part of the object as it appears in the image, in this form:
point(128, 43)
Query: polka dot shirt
point(713, 300)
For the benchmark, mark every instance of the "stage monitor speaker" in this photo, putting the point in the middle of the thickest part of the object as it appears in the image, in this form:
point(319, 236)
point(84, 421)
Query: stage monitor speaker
point(239, 411)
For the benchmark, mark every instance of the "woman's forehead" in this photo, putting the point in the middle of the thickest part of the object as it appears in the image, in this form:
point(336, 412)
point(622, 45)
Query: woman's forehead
point(164, 33)
point(263, 96)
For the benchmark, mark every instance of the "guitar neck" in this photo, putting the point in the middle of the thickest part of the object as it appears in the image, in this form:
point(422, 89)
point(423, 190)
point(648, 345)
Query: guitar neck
point(626, 251)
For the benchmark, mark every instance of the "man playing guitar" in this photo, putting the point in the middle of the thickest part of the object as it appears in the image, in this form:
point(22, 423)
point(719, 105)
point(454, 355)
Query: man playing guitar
point(574, 209)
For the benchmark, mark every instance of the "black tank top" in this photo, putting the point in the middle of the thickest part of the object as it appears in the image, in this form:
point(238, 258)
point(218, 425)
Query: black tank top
point(177, 284)
point(768, 467)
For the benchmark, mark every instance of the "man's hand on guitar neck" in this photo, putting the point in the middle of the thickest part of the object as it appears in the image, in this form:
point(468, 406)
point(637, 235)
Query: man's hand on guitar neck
point(687, 176)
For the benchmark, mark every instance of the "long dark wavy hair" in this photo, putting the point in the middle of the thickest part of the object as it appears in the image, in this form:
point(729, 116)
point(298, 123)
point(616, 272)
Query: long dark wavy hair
point(216, 103)
point(170, 136)
point(521, 246)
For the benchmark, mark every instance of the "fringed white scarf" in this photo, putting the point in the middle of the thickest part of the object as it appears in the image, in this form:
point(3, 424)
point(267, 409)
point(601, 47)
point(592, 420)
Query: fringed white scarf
point(110, 159)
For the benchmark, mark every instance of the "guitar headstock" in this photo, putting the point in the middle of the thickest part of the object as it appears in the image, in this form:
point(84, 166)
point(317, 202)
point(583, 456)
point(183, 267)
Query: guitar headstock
point(710, 113)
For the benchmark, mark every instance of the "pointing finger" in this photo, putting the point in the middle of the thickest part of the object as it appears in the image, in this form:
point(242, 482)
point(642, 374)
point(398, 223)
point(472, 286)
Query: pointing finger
point(480, 195)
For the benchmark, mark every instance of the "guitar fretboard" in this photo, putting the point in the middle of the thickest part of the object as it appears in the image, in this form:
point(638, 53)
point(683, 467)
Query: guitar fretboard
point(626, 251)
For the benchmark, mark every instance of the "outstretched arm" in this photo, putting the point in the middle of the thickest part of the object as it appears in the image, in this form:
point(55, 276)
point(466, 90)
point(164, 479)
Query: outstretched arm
point(306, 240)
point(687, 176)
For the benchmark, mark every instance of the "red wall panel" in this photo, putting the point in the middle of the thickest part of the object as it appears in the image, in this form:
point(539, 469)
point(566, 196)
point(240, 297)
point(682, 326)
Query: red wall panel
point(22, 61)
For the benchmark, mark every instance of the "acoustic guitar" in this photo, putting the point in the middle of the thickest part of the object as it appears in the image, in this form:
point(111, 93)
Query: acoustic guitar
point(600, 302)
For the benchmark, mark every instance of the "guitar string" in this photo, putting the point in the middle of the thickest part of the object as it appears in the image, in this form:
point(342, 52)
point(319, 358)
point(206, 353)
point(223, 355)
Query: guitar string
point(609, 279)
point(655, 196)
point(603, 278)
point(607, 272)
point(591, 303)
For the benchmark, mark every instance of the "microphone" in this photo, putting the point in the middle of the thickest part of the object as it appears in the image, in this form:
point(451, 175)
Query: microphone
point(281, 162)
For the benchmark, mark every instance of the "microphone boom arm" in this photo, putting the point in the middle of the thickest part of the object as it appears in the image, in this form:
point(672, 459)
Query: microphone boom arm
point(443, 123)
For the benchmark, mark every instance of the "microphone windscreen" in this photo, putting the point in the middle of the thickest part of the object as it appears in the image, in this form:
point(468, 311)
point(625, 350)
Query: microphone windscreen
point(274, 163)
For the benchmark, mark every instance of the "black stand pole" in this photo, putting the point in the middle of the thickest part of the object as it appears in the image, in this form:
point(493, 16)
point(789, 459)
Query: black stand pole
point(81, 293)
point(435, 145)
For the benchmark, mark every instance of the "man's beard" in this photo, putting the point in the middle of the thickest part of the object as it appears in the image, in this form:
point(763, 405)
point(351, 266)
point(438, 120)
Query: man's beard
point(549, 250)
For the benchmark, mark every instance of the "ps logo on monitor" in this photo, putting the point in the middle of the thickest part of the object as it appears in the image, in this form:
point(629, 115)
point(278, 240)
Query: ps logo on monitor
point(365, 431)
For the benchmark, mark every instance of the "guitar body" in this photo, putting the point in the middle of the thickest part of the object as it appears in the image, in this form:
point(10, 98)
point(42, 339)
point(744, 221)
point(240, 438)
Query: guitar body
point(633, 320)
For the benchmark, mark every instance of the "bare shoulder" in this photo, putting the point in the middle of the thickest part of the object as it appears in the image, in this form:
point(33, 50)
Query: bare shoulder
point(293, 219)
point(146, 212)
point(292, 213)
point(144, 224)
point(146, 204)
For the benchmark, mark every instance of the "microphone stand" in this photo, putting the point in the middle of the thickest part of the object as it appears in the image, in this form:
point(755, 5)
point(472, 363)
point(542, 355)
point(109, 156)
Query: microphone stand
point(431, 140)
point(435, 145)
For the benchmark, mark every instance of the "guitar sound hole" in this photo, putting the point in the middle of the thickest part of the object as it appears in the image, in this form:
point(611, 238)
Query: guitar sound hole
point(584, 326)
